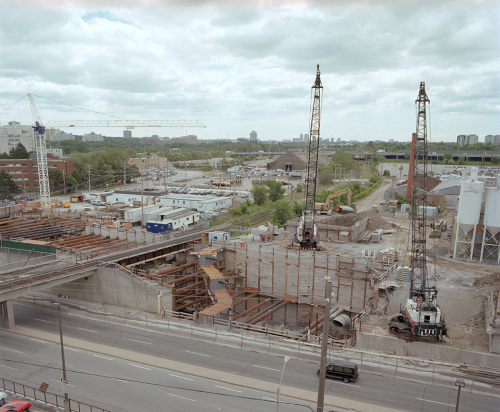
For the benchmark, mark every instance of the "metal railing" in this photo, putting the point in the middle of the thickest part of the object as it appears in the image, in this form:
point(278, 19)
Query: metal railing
point(47, 397)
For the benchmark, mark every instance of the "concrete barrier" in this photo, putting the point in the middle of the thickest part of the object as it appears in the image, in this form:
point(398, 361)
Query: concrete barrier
point(426, 350)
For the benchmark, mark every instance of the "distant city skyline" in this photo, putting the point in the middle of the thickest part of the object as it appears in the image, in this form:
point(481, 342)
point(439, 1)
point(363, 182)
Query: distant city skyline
point(250, 67)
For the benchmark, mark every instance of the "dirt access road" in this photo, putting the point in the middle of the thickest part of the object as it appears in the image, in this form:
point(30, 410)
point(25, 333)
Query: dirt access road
point(373, 198)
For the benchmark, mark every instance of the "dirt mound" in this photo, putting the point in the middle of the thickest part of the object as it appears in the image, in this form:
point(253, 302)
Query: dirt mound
point(375, 220)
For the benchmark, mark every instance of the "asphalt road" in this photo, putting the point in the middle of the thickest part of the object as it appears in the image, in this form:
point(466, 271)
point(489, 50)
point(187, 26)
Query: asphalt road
point(371, 388)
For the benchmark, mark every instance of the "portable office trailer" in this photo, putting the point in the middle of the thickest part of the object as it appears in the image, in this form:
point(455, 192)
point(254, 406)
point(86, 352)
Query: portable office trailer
point(134, 215)
point(158, 227)
point(152, 215)
point(195, 202)
point(180, 219)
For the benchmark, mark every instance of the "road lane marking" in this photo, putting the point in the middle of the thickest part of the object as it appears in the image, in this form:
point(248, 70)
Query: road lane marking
point(38, 340)
point(228, 389)
point(196, 353)
point(182, 397)
point(61, 382)
point(74, 350)
point(103, 357)
point(43, 320)
point(8, 367)
point(350, 384)
point(71, 366)
point(137, 366)
point(88, 330)
point(263, 367)
point(441, 403)
point(180, 377)
point(271, 399)
point(140, 341)
point(13, 350)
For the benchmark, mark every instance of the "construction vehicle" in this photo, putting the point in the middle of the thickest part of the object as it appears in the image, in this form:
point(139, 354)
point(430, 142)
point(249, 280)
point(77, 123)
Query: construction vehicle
point(77, 198)
point(66, 204)
point(421, 317)
point(307, 232)
point(329, 206)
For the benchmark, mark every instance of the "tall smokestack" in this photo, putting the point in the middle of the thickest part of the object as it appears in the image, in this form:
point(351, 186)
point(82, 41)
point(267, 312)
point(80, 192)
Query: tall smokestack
point(411, 171)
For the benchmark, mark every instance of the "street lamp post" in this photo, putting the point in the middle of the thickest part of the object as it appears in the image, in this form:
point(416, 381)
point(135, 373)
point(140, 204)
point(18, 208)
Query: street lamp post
point(324, 346)
point(287, 358)
point(64, 380)
point(461, 384)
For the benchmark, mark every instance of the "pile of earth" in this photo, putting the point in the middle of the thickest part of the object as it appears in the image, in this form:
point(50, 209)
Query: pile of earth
point(375, 221)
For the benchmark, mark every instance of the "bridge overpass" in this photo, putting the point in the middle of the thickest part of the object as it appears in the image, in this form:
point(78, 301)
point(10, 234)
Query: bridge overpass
point(473, 156)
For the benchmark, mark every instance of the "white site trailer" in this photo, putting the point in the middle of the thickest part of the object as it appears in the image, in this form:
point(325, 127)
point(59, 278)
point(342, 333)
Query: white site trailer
point(195, 202)
point(134, 214)
point(179, 218)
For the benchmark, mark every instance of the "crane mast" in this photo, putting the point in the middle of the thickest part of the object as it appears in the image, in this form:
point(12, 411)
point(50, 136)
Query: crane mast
point(307, 232)
point(41, 157)
point(422, 316)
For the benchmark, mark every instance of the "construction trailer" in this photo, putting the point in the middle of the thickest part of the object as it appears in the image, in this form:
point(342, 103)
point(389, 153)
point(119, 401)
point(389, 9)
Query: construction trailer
point(195, 202)
point(135, 214)
point(172, 220)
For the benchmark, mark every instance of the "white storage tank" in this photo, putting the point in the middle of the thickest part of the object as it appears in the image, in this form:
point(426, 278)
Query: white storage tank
point(492, 207)
point(471, 197)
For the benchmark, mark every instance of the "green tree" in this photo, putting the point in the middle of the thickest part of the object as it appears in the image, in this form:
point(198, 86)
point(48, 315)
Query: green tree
point(387, 173)
point(400, 171)
point(495, 160)
point(407, 156)
point(19, 152)
point(342, 159)
point(276, 191)
point(325, 177)
point(298, 208)
point(298, 189)
point(447, 157)
point(56, 180)
point(461, 160)
point(259, 194)
point(206, 167)
point(281, 214)
point(8, 187)
point(370, 145)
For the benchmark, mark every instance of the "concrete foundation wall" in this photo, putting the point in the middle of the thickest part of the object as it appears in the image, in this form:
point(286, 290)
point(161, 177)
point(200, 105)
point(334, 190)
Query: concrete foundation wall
point(297, 273)
point(388, 344)
point(112, 287)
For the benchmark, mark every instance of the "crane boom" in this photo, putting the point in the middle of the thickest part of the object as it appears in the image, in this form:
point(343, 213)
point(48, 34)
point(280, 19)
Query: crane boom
point(41, 156)
point(307, 232)
point(128, 124)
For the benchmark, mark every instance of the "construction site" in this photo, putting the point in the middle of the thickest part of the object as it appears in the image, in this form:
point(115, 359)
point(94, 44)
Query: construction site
point(401, 283)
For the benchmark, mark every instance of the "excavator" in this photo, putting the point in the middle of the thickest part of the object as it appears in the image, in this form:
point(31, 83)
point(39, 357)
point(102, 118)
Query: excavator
point(328, 207)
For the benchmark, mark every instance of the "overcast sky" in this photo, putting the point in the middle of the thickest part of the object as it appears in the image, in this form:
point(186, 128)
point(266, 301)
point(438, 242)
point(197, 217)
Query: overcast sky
point(251, 66)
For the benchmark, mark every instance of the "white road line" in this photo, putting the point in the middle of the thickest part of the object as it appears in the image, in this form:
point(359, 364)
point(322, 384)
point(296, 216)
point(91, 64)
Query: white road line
point(140, 341)
point(180, 377)
point(71, 366)
point(441, 403)
point(88, 330)
point(271, 399)
point(38, 340)
point(182, 397)
point(343, 383)
point(137, 366)
point(74, 350)
point(8, 367)
point(13, 350)
point(228, 389)
point(263, 367)
point(60, 382)
point(103, 357)
point(43, 320)
point(196, 353)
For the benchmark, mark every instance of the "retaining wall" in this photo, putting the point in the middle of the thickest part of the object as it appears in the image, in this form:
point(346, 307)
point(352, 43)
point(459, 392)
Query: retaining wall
point(426, 350)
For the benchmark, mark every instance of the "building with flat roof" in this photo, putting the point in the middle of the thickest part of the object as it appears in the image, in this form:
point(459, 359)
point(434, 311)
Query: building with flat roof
point(92, 137)
point(253, 136)
point(14, 133)
point(127, 134)
point(61, 135)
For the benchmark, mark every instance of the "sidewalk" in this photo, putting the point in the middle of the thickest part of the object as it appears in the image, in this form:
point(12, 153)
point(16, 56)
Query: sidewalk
point(209, 374)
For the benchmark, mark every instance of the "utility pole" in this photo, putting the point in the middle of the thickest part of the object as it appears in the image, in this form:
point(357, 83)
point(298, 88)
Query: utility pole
point(64, 380)
point(142, 198)
point(89, 178)
point(125, 174)
point(291, 199)
point(64, 182)
point(324, 346)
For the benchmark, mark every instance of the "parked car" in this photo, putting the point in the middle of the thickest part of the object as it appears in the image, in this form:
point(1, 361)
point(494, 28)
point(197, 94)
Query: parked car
point(3, 397)
point(339, 369)
point(16, 406)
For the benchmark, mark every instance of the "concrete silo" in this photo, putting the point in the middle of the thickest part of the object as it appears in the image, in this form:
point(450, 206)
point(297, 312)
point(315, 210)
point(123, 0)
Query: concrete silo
point(490, 248)
point(468, 214)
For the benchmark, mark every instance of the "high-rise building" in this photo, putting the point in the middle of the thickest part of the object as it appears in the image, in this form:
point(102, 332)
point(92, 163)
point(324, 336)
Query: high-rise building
point(472, 139)
point(306, 137)
point(92, 137)
point(61, 135)
point(496, 139)
point(253, 136)
point(14, 133)
point(301, 136)
point(127, 134)
point(463, 140)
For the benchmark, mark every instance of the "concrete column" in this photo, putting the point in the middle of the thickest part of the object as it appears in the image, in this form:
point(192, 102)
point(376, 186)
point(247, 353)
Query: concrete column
point(8, 314)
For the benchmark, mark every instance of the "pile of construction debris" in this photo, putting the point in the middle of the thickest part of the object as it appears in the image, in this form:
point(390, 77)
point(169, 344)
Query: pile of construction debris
point(375, 220)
